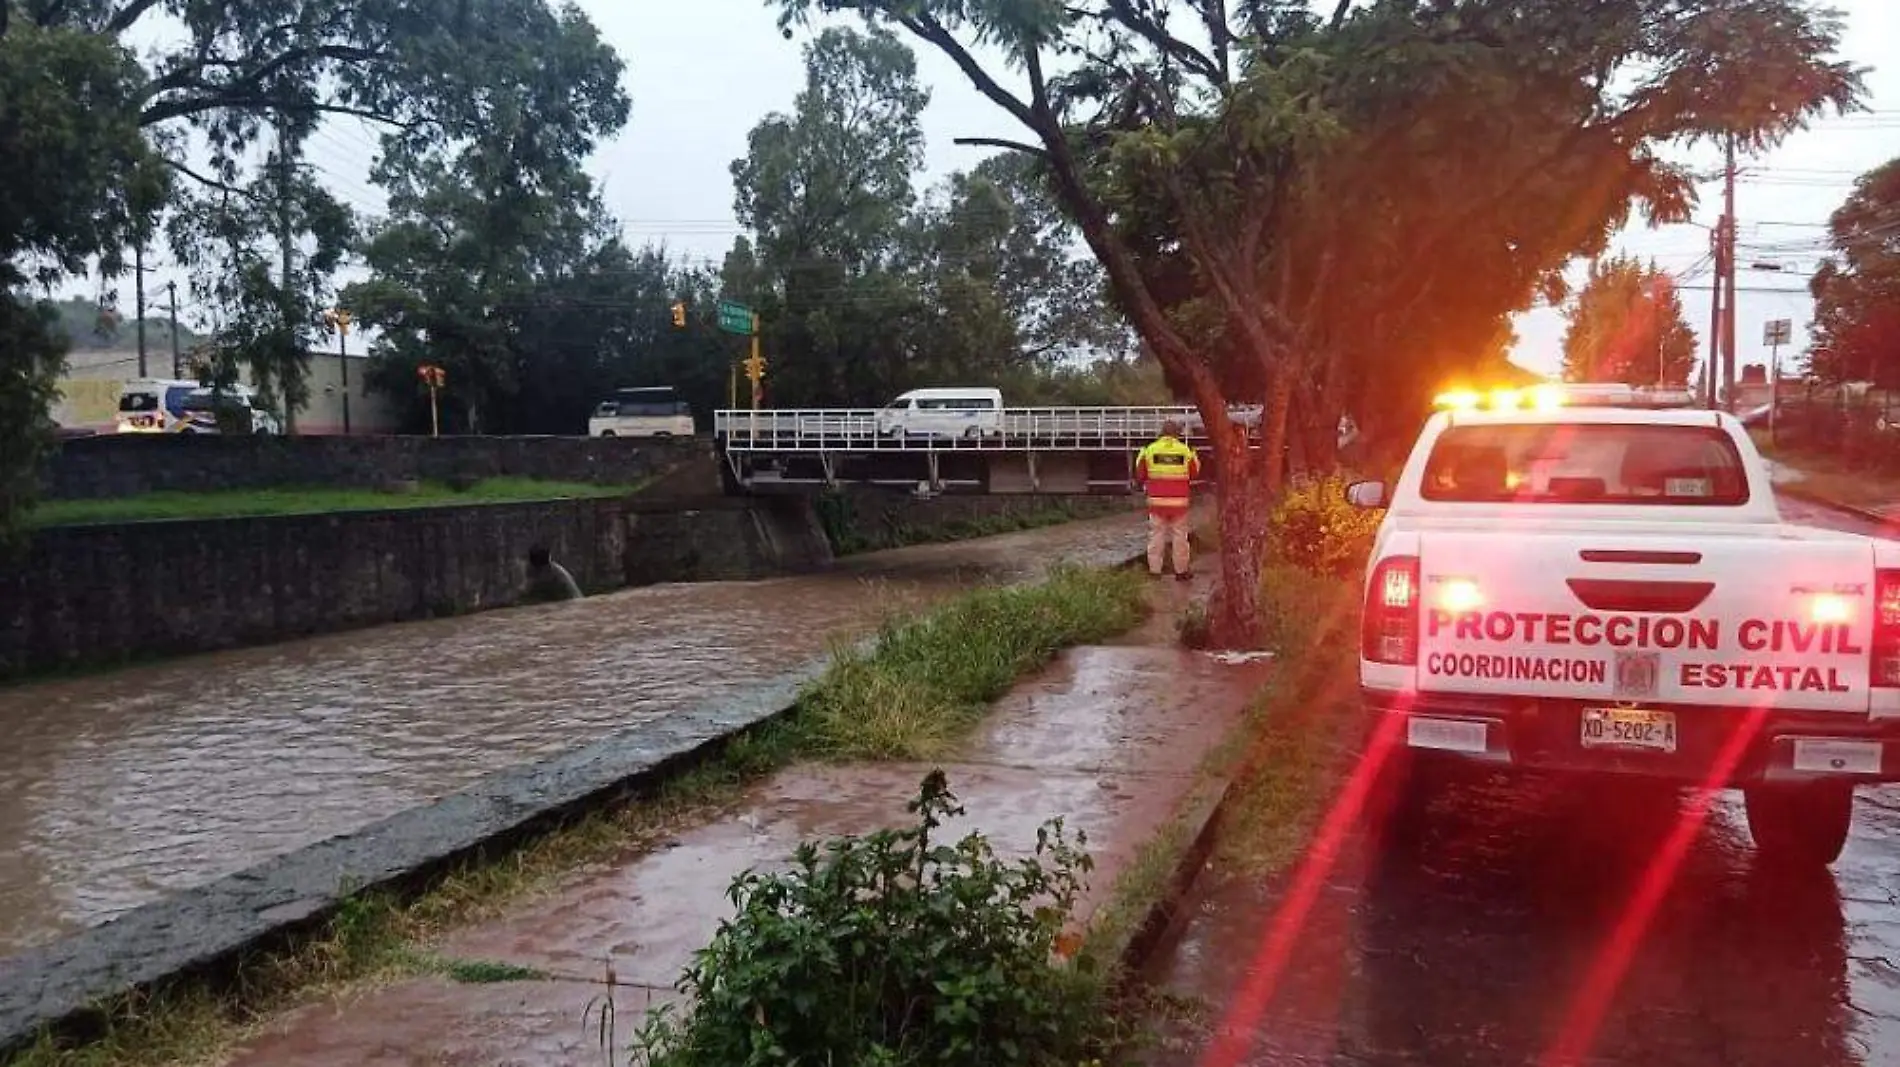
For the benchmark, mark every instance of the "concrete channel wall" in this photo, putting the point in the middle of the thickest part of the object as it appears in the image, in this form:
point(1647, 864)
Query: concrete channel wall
point(95, 595)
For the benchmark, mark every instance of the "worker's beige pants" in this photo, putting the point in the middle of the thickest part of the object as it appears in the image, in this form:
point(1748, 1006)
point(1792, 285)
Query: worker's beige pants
point(1164, 530)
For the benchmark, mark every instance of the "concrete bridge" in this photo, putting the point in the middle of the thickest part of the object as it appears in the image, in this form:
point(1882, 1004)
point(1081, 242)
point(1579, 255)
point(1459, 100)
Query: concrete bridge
point(1025, 450)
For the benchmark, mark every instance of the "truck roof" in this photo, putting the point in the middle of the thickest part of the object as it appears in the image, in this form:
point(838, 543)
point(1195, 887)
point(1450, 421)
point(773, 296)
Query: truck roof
point(1590, 415)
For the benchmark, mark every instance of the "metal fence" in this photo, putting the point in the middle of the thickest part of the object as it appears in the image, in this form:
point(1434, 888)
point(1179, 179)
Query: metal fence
point(1068, 429)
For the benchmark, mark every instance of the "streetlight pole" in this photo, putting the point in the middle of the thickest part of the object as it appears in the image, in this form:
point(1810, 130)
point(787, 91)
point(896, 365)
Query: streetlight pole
point(339, 320)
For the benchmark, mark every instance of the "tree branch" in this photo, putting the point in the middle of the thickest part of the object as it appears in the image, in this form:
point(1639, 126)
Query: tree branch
point(931, 30)
point(216, 96)
point(1340, 11)
point(1003, 143)
point(129, 14)
point(165, 111)
point(1214, 14)
point(227, 189)
point(1167, 43)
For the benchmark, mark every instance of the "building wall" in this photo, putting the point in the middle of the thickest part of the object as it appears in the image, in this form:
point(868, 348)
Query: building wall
point(89, 393)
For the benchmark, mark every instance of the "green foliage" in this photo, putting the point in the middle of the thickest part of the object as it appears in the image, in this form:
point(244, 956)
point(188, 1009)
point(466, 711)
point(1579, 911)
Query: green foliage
point(1627, 325)
point(231, 237)
point(70, 158)
point(929, 679)
point(1315, 530)
point(867, 288)
point(1218, 173)
point(32, 355)
point(497, 261)
point(1857, 290)
point(1299, 607)
point(893, 949)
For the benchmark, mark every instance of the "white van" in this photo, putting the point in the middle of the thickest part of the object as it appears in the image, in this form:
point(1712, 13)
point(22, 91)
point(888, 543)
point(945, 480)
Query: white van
point(200, 410)
point(154, 405)
point(959, 412)
point(179, 405)
point(655, 411)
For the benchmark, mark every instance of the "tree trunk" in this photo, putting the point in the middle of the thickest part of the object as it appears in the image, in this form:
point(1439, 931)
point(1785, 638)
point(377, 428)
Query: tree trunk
point(1273, 429)
point(1245, 501)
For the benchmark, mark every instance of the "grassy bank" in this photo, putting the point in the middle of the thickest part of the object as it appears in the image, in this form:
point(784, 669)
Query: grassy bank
point(921, 686)
point(1829, 477)
point(1302, 733)
point(237, 503)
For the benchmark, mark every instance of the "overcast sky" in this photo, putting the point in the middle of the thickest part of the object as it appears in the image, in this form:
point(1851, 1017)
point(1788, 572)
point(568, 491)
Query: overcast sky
point(702, 74)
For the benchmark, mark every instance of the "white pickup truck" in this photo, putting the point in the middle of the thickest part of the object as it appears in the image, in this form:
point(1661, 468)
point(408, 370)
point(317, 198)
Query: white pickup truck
point(1602, 589)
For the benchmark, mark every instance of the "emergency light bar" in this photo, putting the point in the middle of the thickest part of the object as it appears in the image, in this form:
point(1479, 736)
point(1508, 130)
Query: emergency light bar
point(1550, 396)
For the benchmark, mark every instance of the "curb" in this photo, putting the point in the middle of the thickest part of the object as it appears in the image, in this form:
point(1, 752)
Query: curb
point(213, 930)
point(1203, 817)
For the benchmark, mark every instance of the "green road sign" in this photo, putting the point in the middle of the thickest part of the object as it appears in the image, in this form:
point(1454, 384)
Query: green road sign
point(735, 318)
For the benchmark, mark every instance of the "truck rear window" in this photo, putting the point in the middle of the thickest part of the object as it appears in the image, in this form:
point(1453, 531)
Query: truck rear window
point(1585, 463)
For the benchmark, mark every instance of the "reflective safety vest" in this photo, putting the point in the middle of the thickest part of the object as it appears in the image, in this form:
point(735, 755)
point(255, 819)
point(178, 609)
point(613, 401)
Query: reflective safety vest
point(1165, 468)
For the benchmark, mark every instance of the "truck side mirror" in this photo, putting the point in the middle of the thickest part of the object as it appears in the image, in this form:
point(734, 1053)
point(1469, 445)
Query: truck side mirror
point(1366, 494)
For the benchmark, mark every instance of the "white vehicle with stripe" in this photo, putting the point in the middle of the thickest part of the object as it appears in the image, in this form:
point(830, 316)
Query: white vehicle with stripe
point(1580, 587)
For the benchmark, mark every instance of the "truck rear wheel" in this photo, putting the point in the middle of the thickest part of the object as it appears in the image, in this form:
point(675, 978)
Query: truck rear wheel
point(1800, 825)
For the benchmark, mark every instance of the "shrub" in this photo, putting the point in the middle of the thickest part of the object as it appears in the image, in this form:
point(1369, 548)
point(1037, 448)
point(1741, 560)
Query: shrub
point(892, 949)
point(1300, 609)
point(1314, 529)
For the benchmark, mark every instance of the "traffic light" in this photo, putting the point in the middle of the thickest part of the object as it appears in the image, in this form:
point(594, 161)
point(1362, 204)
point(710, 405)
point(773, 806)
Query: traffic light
point(679, 314)
point(754, 368)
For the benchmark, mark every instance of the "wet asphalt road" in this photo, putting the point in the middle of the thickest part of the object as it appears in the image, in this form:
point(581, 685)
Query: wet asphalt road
point(1473, 944)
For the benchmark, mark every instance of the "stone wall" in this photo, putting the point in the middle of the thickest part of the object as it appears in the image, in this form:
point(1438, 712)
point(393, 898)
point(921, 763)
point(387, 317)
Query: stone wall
point(115, 465)
point(93, 595)
point(96, 595)
point(865, 520)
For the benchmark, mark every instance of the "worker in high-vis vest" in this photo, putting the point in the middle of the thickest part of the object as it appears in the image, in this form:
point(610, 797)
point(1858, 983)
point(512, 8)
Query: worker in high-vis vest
point(1165, 468)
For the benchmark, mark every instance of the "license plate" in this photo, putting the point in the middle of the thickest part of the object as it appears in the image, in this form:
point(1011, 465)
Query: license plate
point(1629, 728)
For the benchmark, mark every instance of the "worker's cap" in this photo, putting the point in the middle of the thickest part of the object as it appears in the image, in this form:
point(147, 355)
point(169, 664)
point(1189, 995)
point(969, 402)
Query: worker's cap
point(1171, 428)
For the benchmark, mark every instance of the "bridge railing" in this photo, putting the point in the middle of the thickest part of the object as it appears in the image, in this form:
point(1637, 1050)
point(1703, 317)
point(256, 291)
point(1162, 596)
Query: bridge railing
point(1014, 430)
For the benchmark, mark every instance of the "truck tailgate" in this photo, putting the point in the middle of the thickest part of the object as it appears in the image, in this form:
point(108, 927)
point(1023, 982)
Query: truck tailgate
point(1651, 617)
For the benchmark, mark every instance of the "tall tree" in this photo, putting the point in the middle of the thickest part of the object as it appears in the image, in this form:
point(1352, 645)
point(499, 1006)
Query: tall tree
point(825, 191)
point(1213, 155)
point(1627, 325)
point(71, 160)
point(268, 300)
point(489, 206)
point(868, 288)
point(238, 72)
point(1857, 290)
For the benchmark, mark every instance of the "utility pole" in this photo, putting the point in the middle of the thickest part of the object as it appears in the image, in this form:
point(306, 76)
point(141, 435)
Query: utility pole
point(138, 287)
point(283, 238)
point(1728, 274)
point(1711, 367)
point(171, 292)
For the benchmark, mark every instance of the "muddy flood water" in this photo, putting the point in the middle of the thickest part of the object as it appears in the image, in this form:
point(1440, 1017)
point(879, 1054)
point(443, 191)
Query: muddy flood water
point(123, 787)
